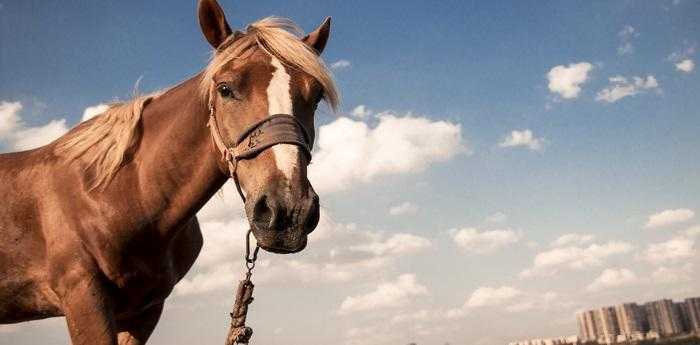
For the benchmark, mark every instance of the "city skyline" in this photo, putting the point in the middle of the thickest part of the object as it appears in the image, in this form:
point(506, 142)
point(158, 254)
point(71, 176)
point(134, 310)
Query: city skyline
point(632, 321)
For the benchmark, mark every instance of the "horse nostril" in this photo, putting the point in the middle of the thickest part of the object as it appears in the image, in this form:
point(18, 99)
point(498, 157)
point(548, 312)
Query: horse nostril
point(269, 215)
point(262, 213)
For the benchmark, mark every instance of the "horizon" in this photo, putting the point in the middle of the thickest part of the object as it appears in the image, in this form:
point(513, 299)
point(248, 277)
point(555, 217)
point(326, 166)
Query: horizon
point(494, 167)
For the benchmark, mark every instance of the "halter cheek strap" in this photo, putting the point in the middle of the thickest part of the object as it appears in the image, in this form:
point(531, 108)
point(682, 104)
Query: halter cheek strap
point(260, 136)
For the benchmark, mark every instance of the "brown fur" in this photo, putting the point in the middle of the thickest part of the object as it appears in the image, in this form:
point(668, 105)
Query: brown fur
point(106, 258)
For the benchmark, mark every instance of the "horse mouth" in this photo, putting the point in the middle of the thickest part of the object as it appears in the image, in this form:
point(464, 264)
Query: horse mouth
point(279, 248)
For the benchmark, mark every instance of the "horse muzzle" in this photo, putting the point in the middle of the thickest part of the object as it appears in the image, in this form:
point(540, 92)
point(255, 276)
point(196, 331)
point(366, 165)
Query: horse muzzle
point(282, 223)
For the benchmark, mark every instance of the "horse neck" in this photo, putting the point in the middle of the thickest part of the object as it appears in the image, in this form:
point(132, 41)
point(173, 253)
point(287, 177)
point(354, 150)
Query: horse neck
point(179, 167)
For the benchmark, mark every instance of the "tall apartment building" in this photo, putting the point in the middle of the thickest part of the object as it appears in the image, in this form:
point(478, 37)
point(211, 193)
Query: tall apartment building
point(631, 319)
point(606, 324)
point(682, 310)
point(664, 317)
point(693, 309)
point(586, 325)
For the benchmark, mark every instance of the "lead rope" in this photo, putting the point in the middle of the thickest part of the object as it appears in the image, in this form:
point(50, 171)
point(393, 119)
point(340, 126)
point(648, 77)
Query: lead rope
point(238, 332)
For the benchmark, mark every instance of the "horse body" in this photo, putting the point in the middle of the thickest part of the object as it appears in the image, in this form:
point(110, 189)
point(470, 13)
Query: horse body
point(140, 250)
point(24, 290)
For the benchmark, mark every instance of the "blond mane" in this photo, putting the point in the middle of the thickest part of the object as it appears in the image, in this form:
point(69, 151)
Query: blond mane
point(103, 143)
point(281, 38)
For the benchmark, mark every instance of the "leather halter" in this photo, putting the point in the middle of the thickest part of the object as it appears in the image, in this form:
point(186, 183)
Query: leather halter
point(258, 137)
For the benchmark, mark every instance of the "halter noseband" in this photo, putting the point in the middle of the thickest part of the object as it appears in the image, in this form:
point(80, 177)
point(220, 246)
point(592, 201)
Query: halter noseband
point(258, 137)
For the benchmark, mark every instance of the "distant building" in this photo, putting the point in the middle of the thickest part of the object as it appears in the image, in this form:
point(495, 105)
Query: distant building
point(606, 325)
point(631, 319)
point(664, 317)
point(586, 326)
point(633, 322)
point(693, 308)
point(684, 318)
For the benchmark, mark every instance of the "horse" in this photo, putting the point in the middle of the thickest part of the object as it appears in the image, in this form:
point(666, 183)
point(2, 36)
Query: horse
point(99, 225)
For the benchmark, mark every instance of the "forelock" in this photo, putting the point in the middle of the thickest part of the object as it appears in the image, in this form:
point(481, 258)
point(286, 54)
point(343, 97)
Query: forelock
point(278, 37)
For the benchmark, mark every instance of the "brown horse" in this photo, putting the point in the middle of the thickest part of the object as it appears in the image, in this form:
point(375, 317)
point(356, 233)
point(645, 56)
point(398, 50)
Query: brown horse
point(100, 225)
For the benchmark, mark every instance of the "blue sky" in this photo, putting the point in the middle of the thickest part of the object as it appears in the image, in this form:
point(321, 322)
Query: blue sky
point(465, 74)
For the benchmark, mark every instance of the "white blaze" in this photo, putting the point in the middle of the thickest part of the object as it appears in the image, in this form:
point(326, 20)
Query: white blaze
point(279, 101)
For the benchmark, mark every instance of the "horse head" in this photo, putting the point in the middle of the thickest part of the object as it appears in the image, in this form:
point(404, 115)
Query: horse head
point(263, 86)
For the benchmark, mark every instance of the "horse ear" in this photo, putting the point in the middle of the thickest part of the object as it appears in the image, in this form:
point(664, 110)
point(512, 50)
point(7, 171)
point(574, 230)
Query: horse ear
point(319, 37)
point(213, 22)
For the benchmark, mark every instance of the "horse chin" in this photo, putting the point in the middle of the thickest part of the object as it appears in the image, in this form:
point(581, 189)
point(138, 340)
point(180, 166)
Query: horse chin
point(278, 250)
point(274, 244)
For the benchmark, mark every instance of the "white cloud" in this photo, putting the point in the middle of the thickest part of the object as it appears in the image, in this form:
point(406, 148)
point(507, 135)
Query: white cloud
point(566, 81)
point(521, 307)
point(669, 217)
point(674, 250)
point(361, 111)
point(471, 240)
point(511, 300)
point(455, 313)
point(397, 244)
point(310, 271)
point(545, 301)
point(343, 253)
point(33, 137)
point(18, 136)
point(486, 296)
point(620, 87)
point(672, 274)
point(340, 64)
point(420, 315)
point(576, 239)
point(220, 277)
point(685, 66)
point(220, 263)
point(682, 59)
point(612, 278)
point(9, 117)
point(386, 295)
point(337, 253)
point(626, 35)
point(532, 244)
point(94, 110)
point(523, 138)
point(693, 231)
point(350, 151)
point(572, 257)
point(224, 206)
point(403, 208)
point(222, 239)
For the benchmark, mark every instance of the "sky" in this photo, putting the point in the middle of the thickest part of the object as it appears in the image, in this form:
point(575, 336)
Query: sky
point(495, 166)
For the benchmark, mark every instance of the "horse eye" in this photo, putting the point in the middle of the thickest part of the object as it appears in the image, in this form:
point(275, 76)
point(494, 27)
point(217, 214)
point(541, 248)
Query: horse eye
point(224, 90)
